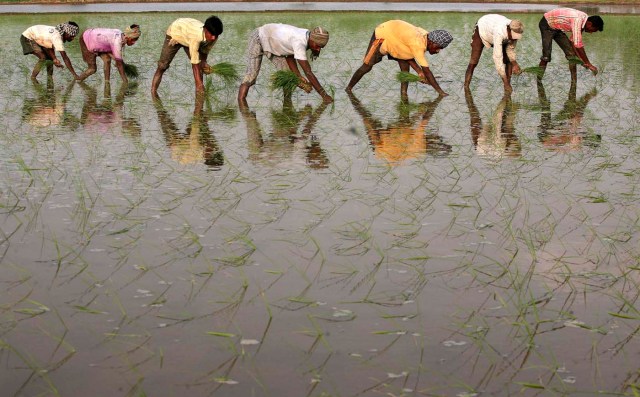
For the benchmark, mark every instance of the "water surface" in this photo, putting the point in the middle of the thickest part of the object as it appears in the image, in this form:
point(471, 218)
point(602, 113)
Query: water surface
point(470, 245)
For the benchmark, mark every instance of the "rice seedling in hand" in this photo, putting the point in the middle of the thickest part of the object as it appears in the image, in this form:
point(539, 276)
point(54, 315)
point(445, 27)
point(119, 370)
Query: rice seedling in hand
point(535, 70)
point(287, 81)
point(131, 71)
point(407, 77)
point(225, 70)
point(575, 61)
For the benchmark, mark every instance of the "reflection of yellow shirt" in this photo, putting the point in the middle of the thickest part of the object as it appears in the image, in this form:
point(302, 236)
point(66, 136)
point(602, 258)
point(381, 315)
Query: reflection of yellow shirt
point(46, 116)
point(398, 144)
point(188, 32)
point(189, 150)
point(402, 40)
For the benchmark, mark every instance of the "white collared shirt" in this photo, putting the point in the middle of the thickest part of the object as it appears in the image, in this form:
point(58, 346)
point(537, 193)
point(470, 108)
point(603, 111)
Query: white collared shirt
point(493, 33)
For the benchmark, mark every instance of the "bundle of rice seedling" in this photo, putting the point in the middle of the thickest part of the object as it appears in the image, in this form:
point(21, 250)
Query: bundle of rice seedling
point(575, 61)
point(131, 71)
point(285, 79)
point(407, 77)
point(536, 70)
point(225, 70)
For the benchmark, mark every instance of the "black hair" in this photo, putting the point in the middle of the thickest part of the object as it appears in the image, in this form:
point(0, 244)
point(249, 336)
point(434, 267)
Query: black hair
point(73, 23)
point(214, 25)
point(135, 25)
point(597, 22)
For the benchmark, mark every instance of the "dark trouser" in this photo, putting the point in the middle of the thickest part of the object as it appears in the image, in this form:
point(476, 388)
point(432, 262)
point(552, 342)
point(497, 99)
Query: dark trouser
point(31, 47)
point(549, 35)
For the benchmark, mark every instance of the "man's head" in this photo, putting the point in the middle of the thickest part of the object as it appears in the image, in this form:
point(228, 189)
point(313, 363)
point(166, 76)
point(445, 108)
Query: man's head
point(516, 28)
point(318, 39)
point(594, 24)
point(212, 28)
point(132, 34)
point(437, 40)
point(68, 30)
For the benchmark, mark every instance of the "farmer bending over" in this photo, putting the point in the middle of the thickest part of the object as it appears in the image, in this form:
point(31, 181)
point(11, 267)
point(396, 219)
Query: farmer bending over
point(286, 47)
point(502, 34)
point(107, 44)
point(197, 39)
point(553, 26)
point(43, 41)
point(406, 44)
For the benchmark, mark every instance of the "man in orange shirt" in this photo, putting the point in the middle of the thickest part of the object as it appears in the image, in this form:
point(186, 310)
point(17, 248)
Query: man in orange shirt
point(406, 44)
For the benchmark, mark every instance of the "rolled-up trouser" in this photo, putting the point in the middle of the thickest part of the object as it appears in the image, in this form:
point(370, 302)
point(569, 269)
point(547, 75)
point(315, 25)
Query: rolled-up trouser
point(254, 55)
point(31, 47)
point(170, 50)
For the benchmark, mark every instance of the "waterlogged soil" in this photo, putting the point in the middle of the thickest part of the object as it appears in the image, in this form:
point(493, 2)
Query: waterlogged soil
point(464, 246)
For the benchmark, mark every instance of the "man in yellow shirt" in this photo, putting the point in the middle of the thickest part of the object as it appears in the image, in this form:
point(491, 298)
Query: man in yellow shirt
point(406, 44)
point(197, 39)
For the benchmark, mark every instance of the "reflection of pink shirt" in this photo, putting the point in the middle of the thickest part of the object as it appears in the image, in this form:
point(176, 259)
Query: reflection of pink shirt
point(104, 41)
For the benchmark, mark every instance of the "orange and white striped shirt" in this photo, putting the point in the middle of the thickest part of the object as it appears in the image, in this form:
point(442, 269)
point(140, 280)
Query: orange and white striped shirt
point(568, 20)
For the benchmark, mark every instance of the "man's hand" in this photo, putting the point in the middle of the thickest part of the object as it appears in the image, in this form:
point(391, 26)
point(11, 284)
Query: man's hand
point(305, 85)
point(592, 68)
point(516, 68)
point(327, 98)
point(57, 63)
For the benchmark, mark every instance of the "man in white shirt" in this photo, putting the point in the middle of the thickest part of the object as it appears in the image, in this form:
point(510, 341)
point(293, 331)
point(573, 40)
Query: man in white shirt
point(501, 33)
point(286, 47)
point(43, 41)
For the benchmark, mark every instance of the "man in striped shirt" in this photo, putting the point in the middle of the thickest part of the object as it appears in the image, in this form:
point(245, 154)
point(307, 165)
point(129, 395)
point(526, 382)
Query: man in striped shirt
point(553, 26)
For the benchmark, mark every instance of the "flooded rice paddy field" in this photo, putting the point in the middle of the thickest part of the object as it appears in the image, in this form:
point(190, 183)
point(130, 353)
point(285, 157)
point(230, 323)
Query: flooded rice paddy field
point(457, 247)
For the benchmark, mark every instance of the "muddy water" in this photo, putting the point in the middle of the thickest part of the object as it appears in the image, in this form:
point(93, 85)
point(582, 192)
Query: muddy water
point(471, 245)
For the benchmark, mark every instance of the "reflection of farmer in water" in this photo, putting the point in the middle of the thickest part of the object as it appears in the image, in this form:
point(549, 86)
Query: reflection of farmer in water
point(563, 132)
point(48, 108)
point(196, 144)
point(108, 115)
point(406, 138)
point(497, 138)
point(286, 143)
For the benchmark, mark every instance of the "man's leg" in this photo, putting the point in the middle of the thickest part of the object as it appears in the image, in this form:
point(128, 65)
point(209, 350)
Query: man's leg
point(547, 35)
point(253, 60)
point(508, 70)
point(89, 58)
point(569, 52)
point(106, 66)
point(372, 57)
point(166, 56)
point(476, 51)
point(404, 86)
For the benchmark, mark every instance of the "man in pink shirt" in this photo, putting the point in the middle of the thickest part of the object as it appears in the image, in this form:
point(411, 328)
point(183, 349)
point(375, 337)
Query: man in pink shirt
point(106, 44)
point(553, 26)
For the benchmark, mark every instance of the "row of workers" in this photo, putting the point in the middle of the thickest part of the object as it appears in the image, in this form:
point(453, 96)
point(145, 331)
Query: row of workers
point(286, 47)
